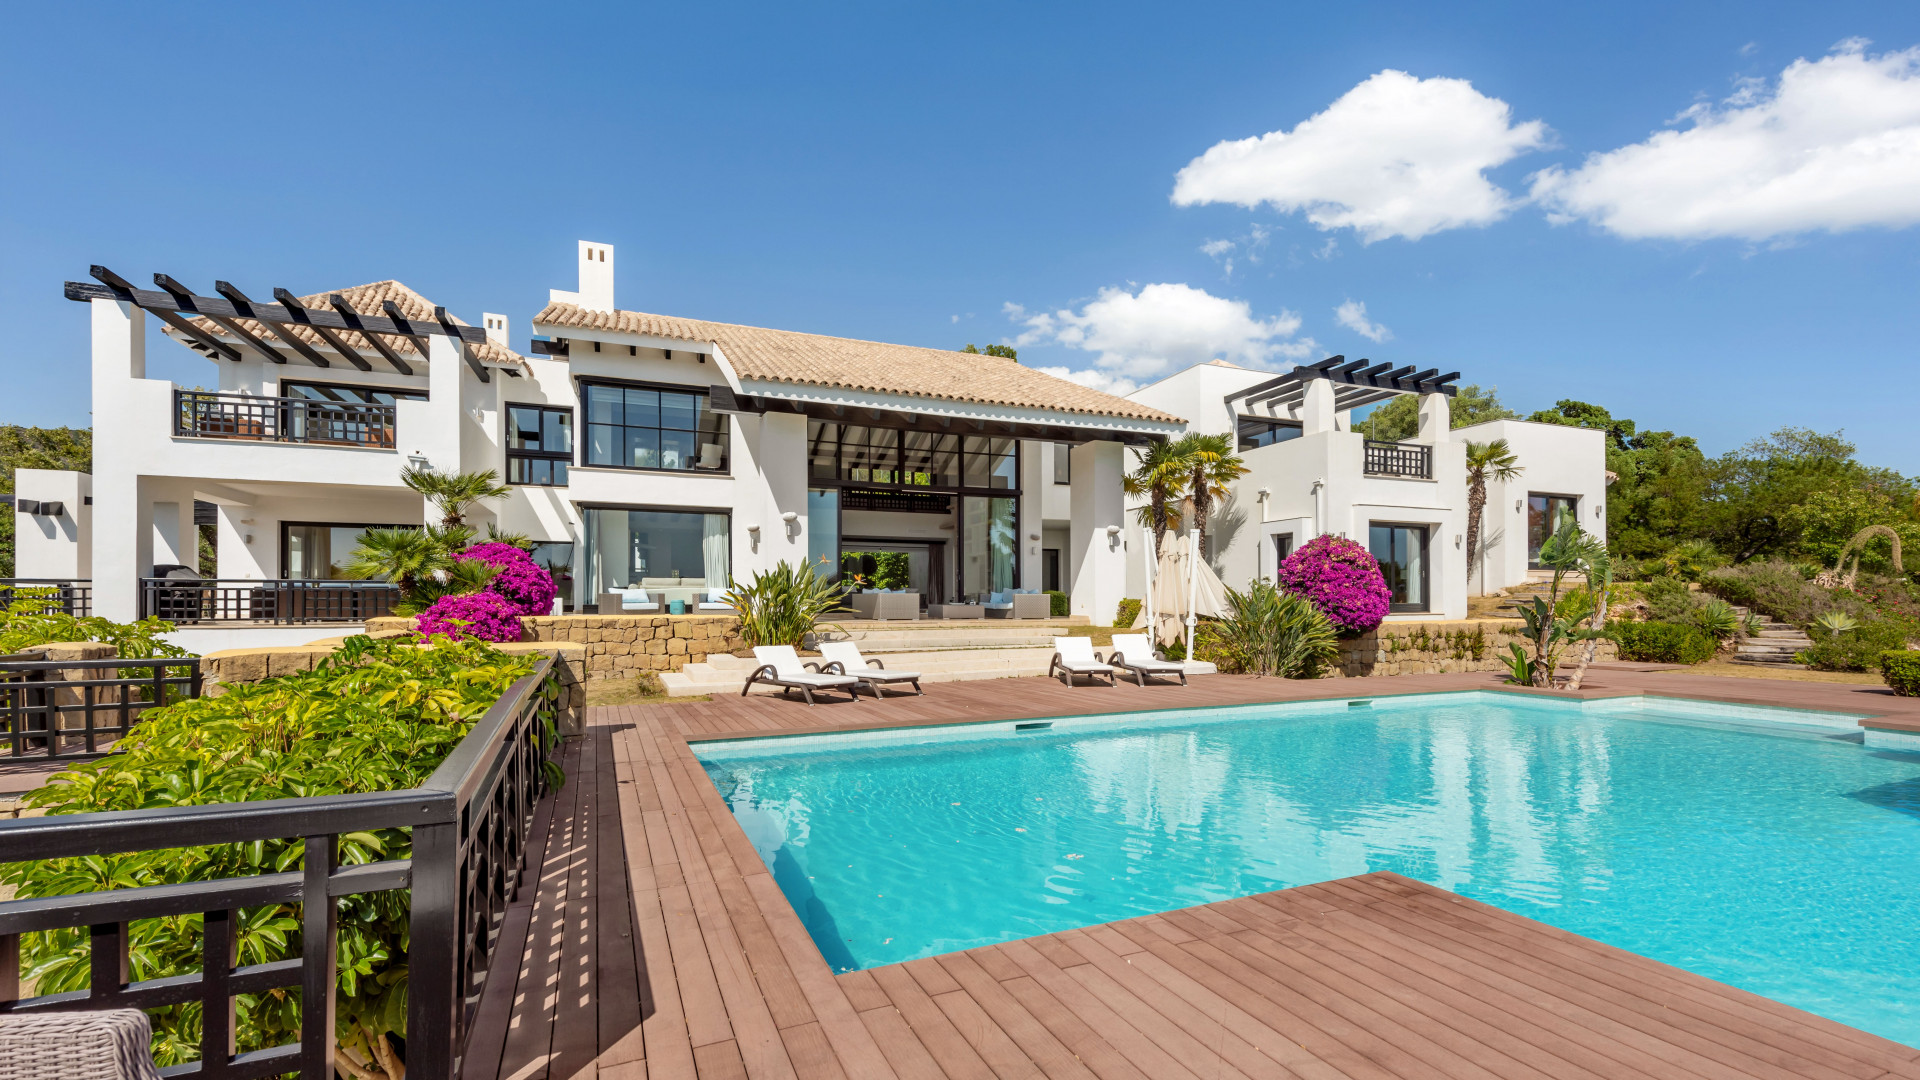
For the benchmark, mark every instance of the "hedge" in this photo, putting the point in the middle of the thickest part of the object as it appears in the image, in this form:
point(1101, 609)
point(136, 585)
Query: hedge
point(1057, 604)
point(1901, 669)
point(1664, 643)
point(1129, 610)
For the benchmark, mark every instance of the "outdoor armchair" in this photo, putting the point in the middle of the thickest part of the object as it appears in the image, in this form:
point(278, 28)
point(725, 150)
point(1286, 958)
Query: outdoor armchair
point(845, 656)
point(1075, 656)
point(108, 1045)
point(780, 666)
point(1135, 653)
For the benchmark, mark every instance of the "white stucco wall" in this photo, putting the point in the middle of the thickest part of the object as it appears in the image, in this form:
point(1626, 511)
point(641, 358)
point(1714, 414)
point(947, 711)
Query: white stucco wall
point(45, 546)
point(1555, 460)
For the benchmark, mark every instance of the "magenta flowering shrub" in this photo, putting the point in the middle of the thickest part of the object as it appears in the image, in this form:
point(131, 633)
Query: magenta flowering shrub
point(525, 582)
point(1342, 579)
point(481, 616)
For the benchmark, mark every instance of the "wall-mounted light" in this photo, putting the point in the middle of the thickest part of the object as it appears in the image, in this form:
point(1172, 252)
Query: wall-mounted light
point(1516, 506)
point(27, 506)
point(792, 522)
point(1113, 531)
point(419, 460)
point(668, 353)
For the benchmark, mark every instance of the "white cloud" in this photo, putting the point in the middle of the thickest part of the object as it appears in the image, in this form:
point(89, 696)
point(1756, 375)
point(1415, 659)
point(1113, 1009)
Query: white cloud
point(1146, 333)
point(1249, 247)
point(1353, 316)
point(1104, 381)
point(1834, 145)
point(1394, 156)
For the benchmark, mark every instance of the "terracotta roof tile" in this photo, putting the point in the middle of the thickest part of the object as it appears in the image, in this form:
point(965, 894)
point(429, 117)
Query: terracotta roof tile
point(850, 364)
point(367, 299)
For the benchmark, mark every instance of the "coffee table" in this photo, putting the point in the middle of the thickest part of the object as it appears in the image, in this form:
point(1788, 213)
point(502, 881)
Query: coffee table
point(956, 611)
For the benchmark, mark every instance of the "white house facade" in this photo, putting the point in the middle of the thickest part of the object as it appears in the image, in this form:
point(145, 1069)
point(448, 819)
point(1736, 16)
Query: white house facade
point(1310, 474)
point(643, 451)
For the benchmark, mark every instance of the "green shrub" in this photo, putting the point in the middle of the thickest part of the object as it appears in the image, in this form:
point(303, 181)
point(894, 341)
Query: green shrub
point(1716, 617)
point(1271, 632)
point(782, 605)
point(1901, 670)
point(890, 570)
point(374, 716)
point(1058, 604)
point(1858, 649)
point(1779, 589)
point(1668, 599)
point(1663, 642)
point(28, 621)
point(1129, 611)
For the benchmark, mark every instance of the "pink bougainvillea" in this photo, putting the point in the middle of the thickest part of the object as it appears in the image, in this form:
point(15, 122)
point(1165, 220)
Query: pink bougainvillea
point(521, 580)
point(481, 616)
point(1342, 579)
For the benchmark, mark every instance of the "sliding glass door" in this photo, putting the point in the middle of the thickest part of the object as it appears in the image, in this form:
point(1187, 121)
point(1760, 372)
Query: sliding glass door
point(1545, 515)
point(652, 549)
point(1402, 552)
point(989, 535)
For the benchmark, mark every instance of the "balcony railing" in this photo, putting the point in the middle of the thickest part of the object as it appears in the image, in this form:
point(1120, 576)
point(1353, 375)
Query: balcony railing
point(202, 415)
point(1411, 460)
point(79, 708)
point(68, 596)
point(226, 600)
point(469, 826)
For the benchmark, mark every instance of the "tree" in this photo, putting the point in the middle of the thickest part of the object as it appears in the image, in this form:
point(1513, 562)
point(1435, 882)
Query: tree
point(1162, 477)
point(453, 493)
point(420, 561)
point(1211, 465)
point(993, 350)
point(1756, 489)
point(1399, 419)
point(1485, 461)
point(69, 449)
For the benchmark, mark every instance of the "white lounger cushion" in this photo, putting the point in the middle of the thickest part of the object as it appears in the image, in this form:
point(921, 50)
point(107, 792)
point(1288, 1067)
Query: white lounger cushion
point(1137, 651)
point(787, 667)
point(1076, 654)
point(848, 656)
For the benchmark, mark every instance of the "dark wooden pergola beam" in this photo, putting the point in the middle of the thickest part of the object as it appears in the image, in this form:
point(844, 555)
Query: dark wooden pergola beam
point(207, 341)
point(241, 303)
point(393, 312)
point(339, 304)
point(333, 340)
point(185, 296)
point(473, 362)
point(116, 288)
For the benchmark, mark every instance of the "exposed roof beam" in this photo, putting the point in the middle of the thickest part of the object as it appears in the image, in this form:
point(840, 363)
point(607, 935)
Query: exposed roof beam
point(473, 362)
point(230, 327)
point(211, 344)
point(116, 288)
point(399, 317)
point(339, 304)
point(333, 340)
point(245, 306)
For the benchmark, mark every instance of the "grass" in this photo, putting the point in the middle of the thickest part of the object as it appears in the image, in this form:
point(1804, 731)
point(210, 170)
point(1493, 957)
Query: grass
point(1757, 671)
point(643, 690)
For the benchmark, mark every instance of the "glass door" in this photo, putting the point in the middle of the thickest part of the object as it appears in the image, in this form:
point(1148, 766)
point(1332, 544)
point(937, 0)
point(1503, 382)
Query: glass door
point(1402, 553)
point(1545, 516)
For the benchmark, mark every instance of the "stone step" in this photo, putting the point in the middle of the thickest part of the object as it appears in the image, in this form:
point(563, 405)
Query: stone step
point(1785, 665)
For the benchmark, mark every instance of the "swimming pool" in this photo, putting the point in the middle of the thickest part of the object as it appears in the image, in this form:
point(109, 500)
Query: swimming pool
point(1765, 848)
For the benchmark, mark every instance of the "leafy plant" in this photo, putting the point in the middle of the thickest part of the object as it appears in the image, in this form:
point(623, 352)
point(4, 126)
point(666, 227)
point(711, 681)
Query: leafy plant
point(1716, 617)
point(1752, 624)
point(890, 570)
point(1519, 665)
point(1162, 477)
point(1667, 598)
point(1128, 611)
point(374, 716)
point(1664, 643)
point(523, 582)
point(1836, 623)
point(783, 604)
point(1551, 629)
point(1485, 461)
point(29, 620)
point(1211, 465)
point(1270, 632)
point(453, 493)
point(1858, 649)
point(1900, 668)
point(1058, 604)
point(1341, 578)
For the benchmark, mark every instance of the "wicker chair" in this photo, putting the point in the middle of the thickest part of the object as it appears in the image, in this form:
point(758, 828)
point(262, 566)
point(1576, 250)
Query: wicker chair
point(108, 1045)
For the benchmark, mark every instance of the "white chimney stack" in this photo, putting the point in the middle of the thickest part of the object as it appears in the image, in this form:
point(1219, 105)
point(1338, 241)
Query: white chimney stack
point(596, 279)
point(496, 328)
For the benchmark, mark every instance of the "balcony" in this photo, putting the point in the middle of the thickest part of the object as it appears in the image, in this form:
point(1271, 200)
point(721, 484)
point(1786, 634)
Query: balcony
point(1410, 461)
point(202, 415)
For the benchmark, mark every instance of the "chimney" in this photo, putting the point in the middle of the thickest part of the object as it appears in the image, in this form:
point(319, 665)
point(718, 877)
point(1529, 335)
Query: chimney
point(596, 276)
point(496, 328)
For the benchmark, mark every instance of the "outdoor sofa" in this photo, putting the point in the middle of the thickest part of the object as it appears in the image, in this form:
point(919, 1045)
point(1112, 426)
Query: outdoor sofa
point(1018, 604)
point(885, 604)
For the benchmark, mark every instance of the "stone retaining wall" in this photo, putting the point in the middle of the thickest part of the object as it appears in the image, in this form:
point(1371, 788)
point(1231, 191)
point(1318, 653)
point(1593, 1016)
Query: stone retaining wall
point(1435, 648)
point(623, 646)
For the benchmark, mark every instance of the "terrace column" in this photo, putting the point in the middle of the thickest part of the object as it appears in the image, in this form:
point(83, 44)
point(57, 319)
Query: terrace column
point(1316, 411)
point(119, 525)
point(1436, 419)
point(1099, 566)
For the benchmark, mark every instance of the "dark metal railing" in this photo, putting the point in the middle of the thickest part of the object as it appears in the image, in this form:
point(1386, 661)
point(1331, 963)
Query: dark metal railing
point(1399, 459)
point(204, 600)
point(469, 823)
point(73, 596)
point(74, 709)
point(202, 415)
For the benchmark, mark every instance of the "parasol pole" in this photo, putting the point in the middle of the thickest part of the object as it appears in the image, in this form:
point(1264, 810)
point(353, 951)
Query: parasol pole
point(1193, 585)
point(1151, 556)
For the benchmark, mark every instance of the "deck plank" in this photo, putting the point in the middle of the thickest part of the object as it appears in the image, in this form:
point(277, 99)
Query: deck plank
point(650, 942)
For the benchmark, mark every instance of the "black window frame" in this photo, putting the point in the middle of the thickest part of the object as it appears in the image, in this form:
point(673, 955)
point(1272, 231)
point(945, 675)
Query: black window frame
point(1425, 529)
point(891, 456)
point(1248, 429)
point(584, 426)
point(1062, 453)
point(551, 458)
point(399, 393)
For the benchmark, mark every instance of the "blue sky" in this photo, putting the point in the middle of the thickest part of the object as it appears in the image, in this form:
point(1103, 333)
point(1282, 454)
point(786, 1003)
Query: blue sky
point(907, 174)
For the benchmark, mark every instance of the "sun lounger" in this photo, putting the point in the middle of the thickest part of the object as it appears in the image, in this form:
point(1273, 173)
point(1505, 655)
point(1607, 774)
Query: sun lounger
point(780, 666)
point(1134, 652)
point(1075, 656)
point(845, 656)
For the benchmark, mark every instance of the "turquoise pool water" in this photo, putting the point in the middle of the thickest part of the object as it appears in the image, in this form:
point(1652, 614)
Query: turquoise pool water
point(1764, 848)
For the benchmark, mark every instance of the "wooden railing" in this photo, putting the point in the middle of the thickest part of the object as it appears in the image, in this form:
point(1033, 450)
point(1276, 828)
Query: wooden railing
point(202, 415)
point(469, 825)
point(1413, 460)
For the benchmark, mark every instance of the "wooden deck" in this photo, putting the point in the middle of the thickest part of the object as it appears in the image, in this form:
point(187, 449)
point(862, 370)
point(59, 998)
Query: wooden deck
point(656, 944)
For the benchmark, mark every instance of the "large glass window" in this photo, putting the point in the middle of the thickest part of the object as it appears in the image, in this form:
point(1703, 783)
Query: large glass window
point(989, 462)
point(1545, 515)
point(989, 535)
point(320, 551)
point(1257, 433)
point(823, 531)
point(876, 455)
point(654, 549)
point(539, 445)
point(1402, 552)
point(650, 427)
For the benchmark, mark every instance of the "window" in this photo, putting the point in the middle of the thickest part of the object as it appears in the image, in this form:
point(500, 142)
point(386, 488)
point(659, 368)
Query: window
point(1062, 463)
point(1545, 515)
point(1402, 552)
point(557, 557)
point(688, 550)
point(539, 445)
point(823, 530)
point(349, 395)
point(1257, 433)
point(1282, 547)
point(989, 462)
point(989, 529)
point(653, 427)
point(876, 455)
point(320, 551)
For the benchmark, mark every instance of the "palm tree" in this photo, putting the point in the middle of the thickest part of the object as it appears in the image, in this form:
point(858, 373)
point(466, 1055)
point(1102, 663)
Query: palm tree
point(420, 561)
point(1485, 461)
point(1211, 466)
point(1162, 477)
point(452, 493)
point(1597, 563)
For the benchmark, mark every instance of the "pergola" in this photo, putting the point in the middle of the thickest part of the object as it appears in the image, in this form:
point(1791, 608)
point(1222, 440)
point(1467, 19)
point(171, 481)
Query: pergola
point(237, 316)
point(1355, 383)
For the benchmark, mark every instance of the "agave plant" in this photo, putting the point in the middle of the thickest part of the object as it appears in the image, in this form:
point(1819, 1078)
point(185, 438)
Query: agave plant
point(1276, 633)
point(783, 604)
point(1836, 622)
point(1717, 617)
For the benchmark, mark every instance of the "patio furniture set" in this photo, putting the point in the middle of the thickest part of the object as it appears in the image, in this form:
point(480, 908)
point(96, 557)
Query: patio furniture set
point(664, 602)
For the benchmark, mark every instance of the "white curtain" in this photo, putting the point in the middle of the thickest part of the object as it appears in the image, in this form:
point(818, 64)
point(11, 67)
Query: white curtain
point(713, 548)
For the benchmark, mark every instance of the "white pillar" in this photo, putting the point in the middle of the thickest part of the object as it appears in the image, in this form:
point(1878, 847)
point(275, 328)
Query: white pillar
point(1316, 411)
point(783, 466)
point(119, 333)
point(1095, 500)
point(1436, 419)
